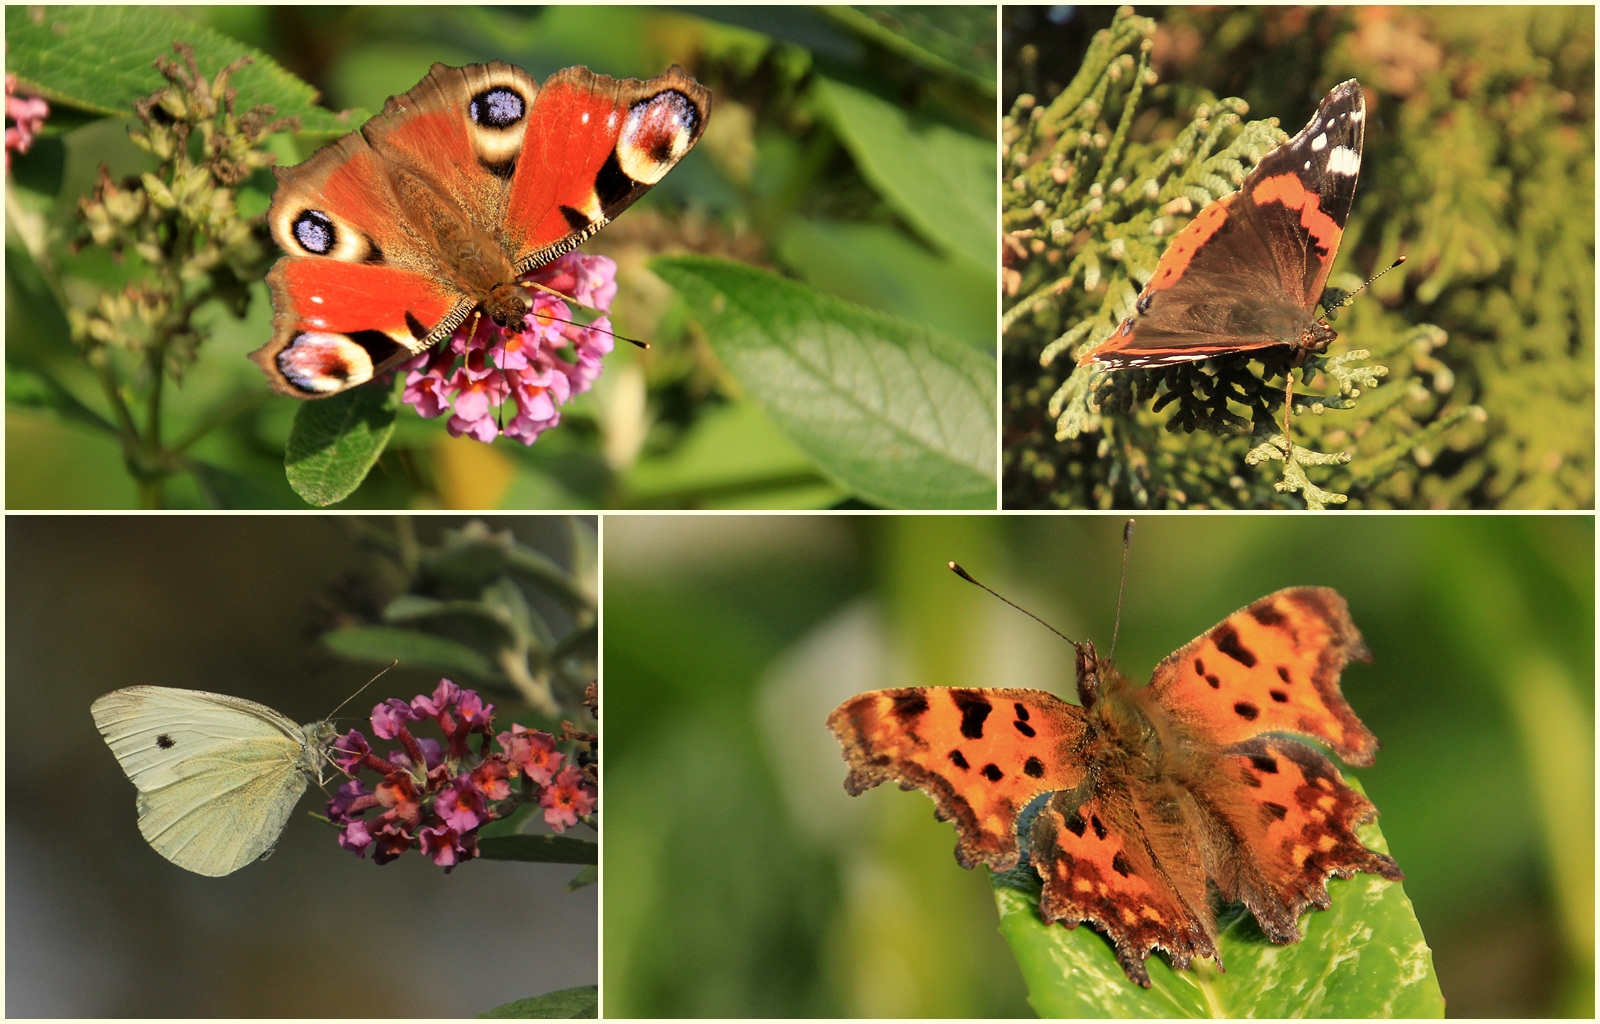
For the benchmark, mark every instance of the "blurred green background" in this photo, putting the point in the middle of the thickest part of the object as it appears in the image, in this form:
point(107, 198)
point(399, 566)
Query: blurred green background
point(99, 925)
point(795, 174)
point(741, 880)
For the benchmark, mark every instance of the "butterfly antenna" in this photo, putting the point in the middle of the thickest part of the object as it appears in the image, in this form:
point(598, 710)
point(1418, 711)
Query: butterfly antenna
point(1346, 300)
point(1288, 387)
point(968, 577)
point(369, 682)
point(1127, 542)
point(591, 327)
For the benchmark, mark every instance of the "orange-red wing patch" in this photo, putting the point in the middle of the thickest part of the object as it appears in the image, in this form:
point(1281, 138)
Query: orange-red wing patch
point(1271, 667)
point(1195, 234)
point(982, 755)
point(1102, 862)
point(1293, 819)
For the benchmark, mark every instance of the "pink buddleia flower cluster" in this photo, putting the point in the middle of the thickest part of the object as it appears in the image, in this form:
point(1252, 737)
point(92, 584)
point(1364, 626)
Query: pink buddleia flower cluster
point(536, 368)
point(24, 118)
point(435, 796)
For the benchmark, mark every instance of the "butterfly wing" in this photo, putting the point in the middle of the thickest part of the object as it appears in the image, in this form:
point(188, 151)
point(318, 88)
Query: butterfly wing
point(1276, 817)
point(1123, 863)
point(594, 145)
point(1247, 272)
point(982, 755)
point(478, 174)
point(1287, 819)
point(217, 776)
point(1271, 667)
point(359, 290)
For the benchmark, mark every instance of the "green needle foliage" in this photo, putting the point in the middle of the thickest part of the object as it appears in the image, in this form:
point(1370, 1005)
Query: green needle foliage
point(1097, 180)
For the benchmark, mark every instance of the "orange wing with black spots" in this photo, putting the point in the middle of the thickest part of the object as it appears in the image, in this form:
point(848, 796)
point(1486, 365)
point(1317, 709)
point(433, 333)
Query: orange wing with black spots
point(1122, 865)
point(1271, 667)
point(1292, 821)
point(982, 755)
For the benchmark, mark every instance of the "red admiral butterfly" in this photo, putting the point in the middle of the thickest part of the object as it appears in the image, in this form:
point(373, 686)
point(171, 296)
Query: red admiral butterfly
point(1248, 272)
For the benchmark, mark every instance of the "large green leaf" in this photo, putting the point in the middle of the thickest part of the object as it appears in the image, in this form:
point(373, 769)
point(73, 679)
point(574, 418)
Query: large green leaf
point(417, 650)
point(902, 415)
point(101, 59)
point(583, 1001)
point(944, 183)
point(335, 442)
point(881, 266)
point(1363, 957)
point(955, 38)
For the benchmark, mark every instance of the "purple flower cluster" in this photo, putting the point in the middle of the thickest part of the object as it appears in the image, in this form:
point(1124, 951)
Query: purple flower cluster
point(435, 796)
point(537, 367)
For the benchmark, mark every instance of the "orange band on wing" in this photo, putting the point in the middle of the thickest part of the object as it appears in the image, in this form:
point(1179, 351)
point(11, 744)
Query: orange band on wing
point(1179, 254)
point(330, 296)
point(1287, 189)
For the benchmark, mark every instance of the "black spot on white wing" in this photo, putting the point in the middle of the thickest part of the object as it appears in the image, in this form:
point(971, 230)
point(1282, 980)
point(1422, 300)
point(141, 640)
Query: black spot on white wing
point(164, 742)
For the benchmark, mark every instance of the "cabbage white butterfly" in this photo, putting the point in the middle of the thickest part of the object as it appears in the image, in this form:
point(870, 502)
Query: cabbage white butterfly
point(218, 776)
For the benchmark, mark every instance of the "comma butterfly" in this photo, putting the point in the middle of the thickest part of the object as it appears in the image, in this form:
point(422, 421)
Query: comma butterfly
point(1156, 791)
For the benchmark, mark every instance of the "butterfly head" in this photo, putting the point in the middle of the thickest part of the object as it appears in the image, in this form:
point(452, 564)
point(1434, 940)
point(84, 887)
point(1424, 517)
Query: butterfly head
point(506, 305)
point(1088, 674)
point(319, 737)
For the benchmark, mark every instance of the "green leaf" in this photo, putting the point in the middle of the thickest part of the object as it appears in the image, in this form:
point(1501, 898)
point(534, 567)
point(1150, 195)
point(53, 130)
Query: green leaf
point(101, 59)
point(417, 650)
point(540, 849)
point(583, 1001)
point(881, 266)
point(957, 39)
point(902, 415)
point(1363, 957)
point(335, 442)
point(943, 182)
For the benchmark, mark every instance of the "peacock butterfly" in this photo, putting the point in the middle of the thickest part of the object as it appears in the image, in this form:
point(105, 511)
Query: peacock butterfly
point(400, 231)
point(1156, 791)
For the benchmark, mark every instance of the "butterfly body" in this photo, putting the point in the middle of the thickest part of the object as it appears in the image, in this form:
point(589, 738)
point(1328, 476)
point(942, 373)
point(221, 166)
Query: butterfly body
point(217, 776)
point(398, 232)
point(1161, 797)
point(1249, 271)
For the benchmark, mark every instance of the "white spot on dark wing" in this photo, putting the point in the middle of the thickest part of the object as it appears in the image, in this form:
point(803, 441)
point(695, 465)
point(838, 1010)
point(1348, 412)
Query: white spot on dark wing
point(1344, 160)
point(1319, 143)
point(1306, 166)
point(1355, 115)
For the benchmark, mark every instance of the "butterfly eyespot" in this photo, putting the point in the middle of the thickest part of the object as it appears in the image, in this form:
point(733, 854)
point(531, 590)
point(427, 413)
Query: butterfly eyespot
point(658, 132)
point(499, 107)
point(315, 232)
point(164, 741)
point(322, 363)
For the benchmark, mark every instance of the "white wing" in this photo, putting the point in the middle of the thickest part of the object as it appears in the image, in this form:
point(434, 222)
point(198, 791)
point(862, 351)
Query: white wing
point(218, 776)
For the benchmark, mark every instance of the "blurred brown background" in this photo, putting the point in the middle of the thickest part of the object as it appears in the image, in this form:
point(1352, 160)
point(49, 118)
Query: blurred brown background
point(98, 924)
